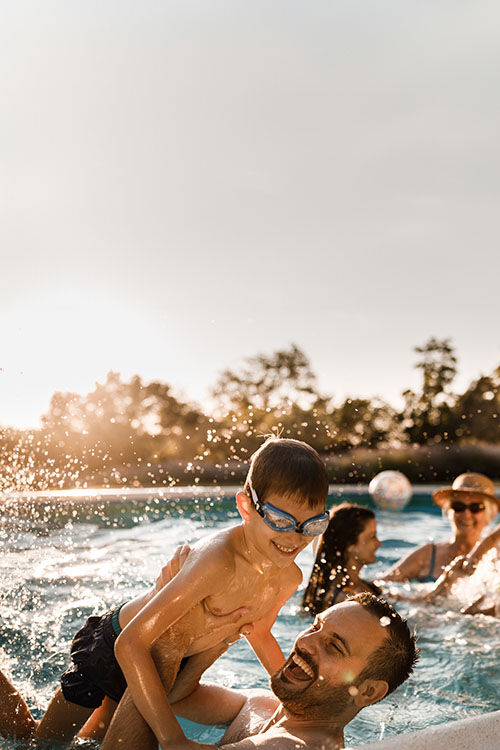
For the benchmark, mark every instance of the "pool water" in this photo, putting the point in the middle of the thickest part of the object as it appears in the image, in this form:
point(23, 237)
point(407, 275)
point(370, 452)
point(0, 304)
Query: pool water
point(64, 560)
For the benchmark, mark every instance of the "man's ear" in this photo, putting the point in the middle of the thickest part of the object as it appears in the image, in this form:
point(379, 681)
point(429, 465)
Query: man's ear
point(244, 504)
point(370, 691)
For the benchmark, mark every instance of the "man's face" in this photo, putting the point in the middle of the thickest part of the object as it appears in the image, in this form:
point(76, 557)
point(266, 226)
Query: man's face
point(320, 674)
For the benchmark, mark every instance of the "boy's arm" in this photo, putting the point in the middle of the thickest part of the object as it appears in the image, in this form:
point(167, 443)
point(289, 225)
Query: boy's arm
point(261, 639)
point(199, 577)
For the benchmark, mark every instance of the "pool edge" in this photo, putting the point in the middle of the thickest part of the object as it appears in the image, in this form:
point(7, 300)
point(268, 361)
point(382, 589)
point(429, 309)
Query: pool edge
point(473, 732)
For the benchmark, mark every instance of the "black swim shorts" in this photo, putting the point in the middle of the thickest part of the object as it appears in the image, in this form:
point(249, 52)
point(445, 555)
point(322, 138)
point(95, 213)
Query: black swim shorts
point(95, 672)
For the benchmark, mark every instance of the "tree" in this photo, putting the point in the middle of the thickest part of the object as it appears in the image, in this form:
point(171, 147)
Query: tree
point(360, 422)
point(121, 424)
point(478, 409)
point(429, 414)
point(267, 382)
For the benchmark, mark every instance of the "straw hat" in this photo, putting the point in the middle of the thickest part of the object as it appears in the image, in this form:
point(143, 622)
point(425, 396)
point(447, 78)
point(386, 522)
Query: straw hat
point(468, 483)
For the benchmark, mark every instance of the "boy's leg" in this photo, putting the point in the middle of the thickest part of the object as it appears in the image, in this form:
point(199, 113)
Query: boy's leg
point(62, 719)
point(96, 726)
point(15, 717)
point(128, 730)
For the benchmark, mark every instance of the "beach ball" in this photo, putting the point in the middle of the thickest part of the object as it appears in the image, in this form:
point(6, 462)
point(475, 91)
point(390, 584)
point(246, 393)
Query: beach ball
point(390, 490)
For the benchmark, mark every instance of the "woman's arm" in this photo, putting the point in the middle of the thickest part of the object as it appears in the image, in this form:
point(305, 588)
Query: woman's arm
point(484, 546)
point(464, 565)
point(410, 566)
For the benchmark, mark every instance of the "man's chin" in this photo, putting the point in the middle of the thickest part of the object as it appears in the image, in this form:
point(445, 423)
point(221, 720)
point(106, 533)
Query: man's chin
point(310, 700)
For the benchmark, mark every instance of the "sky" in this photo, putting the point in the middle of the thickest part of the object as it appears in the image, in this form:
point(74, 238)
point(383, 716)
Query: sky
point(185, 184)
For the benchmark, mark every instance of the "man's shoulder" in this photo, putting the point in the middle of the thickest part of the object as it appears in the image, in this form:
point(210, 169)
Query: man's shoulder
point(260, 703)
point(258, 708)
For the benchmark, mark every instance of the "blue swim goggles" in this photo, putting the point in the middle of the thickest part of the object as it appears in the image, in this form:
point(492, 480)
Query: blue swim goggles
point(279, 520)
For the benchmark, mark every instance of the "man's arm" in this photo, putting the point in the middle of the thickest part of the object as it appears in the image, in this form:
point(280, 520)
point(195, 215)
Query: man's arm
point(210, 704)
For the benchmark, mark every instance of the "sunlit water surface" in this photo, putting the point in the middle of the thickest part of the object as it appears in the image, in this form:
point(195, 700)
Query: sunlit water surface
point(62, 562)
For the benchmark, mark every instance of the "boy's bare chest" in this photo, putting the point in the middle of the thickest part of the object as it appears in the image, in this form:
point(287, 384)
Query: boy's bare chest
point(259, 597)
point(255, 590)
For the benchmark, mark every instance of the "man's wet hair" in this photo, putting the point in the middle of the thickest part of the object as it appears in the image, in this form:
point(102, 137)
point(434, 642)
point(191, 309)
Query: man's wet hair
point(290, 468)
point(395, 659)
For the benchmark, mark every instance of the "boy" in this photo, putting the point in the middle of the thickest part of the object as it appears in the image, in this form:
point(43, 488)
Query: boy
point(248, 566)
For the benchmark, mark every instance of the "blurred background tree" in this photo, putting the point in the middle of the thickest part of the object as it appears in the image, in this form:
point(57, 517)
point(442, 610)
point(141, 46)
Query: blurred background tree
point(131, 432)
point(430, 414)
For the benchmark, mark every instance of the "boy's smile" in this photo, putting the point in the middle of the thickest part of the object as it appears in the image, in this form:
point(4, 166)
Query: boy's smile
point(284, 549)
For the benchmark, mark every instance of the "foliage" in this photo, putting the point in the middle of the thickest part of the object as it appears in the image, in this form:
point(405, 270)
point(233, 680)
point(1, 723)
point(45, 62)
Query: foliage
point(430, 413)
point(131, 433)
point(267, 382)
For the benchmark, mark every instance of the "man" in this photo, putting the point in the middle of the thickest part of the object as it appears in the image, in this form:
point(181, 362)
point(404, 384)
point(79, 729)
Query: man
point(353, 655)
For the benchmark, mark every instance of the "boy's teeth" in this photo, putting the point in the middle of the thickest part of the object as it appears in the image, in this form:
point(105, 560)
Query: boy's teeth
point(284, 549)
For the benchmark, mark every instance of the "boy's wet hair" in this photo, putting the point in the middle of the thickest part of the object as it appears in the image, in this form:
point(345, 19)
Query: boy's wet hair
point(347, 522)
point(289, 468)
point(394, 660)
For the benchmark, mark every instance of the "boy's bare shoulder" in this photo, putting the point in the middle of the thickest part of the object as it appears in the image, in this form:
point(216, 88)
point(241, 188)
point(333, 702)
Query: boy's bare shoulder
point(291, 575)
point(217, 549)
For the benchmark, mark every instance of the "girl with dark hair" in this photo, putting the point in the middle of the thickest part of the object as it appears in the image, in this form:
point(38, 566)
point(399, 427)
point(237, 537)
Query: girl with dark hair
point(349, 542)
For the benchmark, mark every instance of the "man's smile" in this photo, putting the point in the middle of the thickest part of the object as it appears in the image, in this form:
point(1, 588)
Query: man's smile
point(298, 670)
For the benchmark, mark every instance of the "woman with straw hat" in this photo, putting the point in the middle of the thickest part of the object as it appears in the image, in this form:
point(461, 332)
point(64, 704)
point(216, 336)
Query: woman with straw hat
point(470, 504)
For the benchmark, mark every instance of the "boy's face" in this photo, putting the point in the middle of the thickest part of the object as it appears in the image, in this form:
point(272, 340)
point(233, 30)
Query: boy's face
point(282, 547)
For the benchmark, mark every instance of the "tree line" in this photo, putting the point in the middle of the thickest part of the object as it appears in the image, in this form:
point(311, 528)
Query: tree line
point(133, 433)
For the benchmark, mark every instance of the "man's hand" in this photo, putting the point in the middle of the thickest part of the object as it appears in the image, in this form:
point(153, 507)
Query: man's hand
point(173, 566)
point(213, 622)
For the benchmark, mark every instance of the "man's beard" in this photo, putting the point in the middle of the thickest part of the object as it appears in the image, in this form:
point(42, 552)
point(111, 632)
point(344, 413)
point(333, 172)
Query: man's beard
point(314, 701)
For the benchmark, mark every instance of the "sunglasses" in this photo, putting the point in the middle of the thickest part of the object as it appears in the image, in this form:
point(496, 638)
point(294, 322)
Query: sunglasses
point(459, 507)
point(279, 520)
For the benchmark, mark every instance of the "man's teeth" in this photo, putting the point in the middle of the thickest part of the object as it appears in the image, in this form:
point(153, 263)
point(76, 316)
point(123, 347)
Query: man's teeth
point(303, 665)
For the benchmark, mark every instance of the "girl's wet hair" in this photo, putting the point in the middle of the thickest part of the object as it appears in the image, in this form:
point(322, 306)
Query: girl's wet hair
point(347, 522)
point(289, 468)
